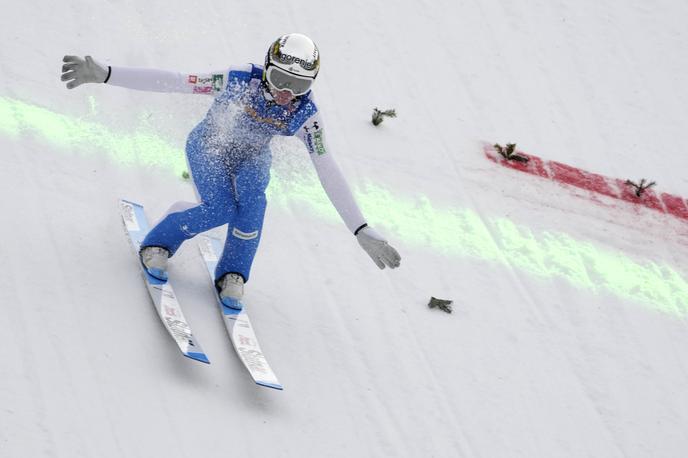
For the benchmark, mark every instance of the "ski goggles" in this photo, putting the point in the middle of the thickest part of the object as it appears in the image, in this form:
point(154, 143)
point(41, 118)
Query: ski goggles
point(283, 80)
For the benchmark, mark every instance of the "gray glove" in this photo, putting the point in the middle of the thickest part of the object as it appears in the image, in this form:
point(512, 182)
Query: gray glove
point(377, 248)
point(77, 71)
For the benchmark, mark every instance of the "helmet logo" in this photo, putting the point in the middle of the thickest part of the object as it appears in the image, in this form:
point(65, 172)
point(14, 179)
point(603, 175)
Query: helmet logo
point(287, 59)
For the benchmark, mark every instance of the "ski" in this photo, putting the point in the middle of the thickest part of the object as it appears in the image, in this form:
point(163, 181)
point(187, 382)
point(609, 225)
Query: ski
point(238, 323)
point(162, 294)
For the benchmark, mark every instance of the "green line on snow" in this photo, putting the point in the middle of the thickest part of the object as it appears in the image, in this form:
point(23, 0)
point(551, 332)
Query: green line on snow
point(415, 220)
point(88, 137)
point(545, 254)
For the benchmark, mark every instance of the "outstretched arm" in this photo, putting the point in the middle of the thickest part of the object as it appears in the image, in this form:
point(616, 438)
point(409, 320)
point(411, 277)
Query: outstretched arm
point(339, 193)
point(77, 71)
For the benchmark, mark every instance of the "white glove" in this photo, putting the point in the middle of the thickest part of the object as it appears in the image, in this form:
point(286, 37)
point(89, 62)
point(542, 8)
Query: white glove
point(78, 71)
point(377, 248)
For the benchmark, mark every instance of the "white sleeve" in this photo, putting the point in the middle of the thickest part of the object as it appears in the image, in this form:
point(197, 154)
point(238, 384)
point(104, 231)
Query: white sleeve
point(148, 79)
point(331, 178)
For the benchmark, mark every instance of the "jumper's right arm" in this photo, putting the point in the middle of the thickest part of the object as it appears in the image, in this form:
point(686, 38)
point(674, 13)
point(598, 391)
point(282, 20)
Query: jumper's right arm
point(77, 71)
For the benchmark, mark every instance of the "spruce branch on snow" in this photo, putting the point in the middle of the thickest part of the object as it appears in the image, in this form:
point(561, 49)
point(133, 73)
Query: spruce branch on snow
point(442, 304)
point(509, 153)
point(379, 115)
point(640, 187)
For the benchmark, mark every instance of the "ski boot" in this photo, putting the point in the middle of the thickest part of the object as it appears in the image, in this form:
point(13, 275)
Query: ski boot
point(231, 289)
point(154, 260)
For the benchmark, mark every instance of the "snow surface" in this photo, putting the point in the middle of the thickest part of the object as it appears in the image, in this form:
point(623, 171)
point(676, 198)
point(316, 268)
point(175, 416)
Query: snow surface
point(528, 365)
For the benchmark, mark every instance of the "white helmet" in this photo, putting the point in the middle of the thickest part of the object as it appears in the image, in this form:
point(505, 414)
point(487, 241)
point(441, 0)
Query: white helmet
point(292, 63)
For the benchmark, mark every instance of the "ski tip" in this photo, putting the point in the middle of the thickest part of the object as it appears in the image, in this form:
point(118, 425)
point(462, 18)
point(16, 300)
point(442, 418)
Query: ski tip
point(129, 202)
point(198, 357)
point(276, 386)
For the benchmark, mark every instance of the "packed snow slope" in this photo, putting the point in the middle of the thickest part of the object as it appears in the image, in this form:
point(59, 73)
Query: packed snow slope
point(568, 332)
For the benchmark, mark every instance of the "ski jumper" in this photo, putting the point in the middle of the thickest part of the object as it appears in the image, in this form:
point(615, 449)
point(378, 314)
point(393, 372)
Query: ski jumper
point(229, 159)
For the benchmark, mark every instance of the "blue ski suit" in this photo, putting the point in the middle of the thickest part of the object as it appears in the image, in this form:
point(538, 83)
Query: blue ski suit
point(229, 158)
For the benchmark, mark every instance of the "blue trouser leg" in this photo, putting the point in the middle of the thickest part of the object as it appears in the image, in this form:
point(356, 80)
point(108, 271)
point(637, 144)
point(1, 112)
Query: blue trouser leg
point(213, 180)
point(244, 232)
point(232, 191)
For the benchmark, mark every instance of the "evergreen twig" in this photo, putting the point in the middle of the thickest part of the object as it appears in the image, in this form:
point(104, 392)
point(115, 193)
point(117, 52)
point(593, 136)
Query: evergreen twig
point(379, 115)
point(509, 153)
point(641, 187)
point(442, 304)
